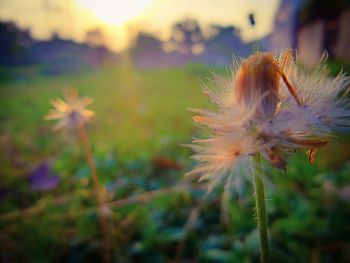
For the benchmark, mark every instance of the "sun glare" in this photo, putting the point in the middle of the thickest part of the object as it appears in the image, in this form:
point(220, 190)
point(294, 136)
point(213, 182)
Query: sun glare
point(115, 12)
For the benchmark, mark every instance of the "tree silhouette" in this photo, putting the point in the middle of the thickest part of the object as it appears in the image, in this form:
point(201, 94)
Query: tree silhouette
point(95, 38)
point(187, 37)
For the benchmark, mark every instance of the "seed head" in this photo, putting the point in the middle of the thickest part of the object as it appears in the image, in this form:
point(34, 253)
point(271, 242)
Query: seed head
point(269, 107)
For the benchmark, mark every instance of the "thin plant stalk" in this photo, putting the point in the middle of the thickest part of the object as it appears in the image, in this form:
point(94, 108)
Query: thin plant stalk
point(260, 204)
point(98, 191)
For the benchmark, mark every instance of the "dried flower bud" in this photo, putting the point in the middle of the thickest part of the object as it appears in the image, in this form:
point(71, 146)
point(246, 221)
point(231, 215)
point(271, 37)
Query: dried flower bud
point(257, 82)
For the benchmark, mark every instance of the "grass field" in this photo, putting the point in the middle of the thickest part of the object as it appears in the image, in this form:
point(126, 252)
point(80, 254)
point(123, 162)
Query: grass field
point(141, 115)
point(137, 112)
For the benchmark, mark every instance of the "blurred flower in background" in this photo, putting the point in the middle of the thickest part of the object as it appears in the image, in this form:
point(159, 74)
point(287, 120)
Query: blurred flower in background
point(72, 112)
point(43, 178)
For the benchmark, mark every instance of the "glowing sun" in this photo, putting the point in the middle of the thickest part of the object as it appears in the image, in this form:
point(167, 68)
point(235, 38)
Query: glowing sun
point(115, 12)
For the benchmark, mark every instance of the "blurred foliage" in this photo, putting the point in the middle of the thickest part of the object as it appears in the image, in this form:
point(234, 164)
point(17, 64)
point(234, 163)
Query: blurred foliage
point(308, 217)
point(155, 214)
point(336, 66)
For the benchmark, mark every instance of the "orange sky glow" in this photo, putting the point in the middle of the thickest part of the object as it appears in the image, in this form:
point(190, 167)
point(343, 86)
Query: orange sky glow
point(119, 20)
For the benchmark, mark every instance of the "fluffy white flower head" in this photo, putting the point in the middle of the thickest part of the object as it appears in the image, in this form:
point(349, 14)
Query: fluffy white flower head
point(270, 107)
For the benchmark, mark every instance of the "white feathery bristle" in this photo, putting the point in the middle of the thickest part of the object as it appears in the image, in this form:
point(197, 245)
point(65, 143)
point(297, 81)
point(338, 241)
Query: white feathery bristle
point(308, 109)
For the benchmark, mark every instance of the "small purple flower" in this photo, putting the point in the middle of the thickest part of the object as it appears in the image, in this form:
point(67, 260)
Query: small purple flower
point(43, 178)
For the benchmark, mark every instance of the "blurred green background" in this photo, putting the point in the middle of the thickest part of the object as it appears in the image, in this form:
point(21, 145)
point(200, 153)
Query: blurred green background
point(142, 97)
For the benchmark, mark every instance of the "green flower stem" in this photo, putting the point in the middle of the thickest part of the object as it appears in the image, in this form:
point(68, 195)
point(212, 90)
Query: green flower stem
point(98, 191)
point(260, 205)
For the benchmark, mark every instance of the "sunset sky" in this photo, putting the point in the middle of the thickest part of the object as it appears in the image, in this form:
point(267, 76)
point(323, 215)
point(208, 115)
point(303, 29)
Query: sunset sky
point(120, 19)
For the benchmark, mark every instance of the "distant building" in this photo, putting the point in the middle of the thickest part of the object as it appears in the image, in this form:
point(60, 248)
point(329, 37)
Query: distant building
point(285, 29)
point(312, 27)
point(333, 36)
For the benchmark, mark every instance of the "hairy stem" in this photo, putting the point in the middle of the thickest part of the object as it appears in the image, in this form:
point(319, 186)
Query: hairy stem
point(261, 214)
point(98, 191)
